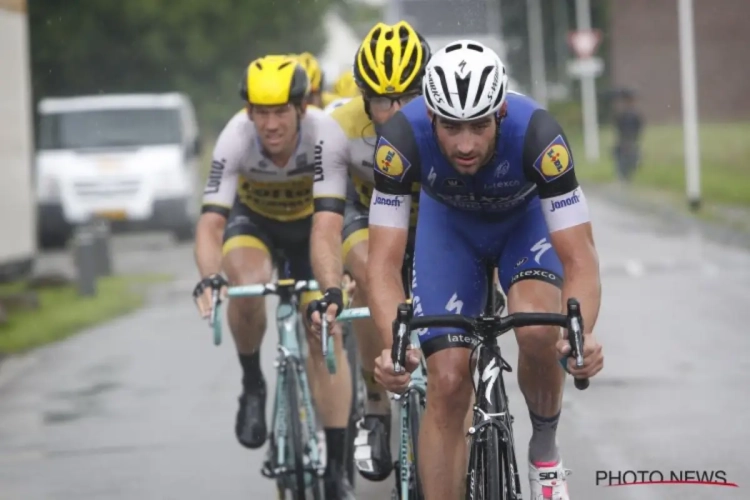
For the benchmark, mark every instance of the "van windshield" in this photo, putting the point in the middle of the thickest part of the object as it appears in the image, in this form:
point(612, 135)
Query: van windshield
point(108, 128)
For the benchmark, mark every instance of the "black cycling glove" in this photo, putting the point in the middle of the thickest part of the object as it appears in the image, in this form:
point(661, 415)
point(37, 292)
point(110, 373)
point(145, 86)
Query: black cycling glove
point(331, 296)
point(215, 282)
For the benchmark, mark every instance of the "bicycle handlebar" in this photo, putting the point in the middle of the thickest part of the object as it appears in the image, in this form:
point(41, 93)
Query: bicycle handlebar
point(484, 326)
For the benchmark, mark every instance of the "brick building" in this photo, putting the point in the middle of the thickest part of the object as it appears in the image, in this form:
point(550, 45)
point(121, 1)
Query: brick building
point(645, 55)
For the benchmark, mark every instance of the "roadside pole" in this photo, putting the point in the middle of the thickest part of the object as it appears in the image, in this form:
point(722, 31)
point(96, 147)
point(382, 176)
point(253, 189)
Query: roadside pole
point(584, 42)
point(691, 137)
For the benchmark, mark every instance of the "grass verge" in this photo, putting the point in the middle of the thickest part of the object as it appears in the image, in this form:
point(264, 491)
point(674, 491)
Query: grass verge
point(62, 312)
point(724, 148)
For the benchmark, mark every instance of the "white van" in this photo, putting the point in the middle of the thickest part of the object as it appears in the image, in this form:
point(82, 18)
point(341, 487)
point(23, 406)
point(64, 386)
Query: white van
point(132, 159)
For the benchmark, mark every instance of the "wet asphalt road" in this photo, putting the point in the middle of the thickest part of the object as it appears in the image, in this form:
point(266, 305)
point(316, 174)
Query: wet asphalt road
point(143, 407)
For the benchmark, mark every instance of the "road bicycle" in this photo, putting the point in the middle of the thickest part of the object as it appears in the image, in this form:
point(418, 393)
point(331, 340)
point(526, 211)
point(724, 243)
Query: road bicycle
point(293, 458)
point(492, 470)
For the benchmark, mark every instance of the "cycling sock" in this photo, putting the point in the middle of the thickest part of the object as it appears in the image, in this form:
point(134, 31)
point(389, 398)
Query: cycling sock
point(543, 444)
point(336, 448)
point(252, 376)
point(377, 400)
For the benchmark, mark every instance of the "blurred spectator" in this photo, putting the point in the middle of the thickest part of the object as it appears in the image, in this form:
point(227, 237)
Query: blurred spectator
point(628, 128)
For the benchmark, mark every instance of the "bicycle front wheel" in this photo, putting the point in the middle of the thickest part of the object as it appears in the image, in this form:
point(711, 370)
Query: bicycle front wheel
point(484, 479)
point(415, 417)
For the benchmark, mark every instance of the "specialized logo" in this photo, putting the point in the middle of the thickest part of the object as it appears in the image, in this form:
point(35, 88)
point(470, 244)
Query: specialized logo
point(555, 161)
point(388, 202)
point(389, 161)
point(565, 202)
point(490, 374)
point(462, 65)
point(432, 176)
point(540, 248)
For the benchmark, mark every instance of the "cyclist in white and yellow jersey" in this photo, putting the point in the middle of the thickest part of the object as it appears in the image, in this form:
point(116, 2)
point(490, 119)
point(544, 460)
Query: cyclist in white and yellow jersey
point(388, 70)
point(316, 96)
point(345, 89)
point(257, 201)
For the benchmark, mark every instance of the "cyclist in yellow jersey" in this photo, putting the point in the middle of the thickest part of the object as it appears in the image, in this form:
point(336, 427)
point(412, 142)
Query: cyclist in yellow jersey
point(388, 71)
point(315, 76)
point(258, 200)
point(345, 88)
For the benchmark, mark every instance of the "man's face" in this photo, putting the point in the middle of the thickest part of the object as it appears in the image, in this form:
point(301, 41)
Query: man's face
point(383, 107)
point(468, 145)
point(276, 126)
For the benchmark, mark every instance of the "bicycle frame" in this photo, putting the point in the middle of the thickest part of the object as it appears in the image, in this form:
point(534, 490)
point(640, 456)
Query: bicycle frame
point(291, 341)
point(290, 349)
point(417, 384)
point(491, 407)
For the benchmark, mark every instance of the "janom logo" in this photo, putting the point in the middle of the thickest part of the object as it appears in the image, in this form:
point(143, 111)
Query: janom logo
point(566, 202)
point(389, 202)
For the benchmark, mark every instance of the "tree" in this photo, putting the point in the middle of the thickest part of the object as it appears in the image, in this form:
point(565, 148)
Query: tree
point(199, 47)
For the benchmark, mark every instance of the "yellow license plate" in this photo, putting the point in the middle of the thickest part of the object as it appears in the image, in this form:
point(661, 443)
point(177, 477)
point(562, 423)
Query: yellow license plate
point(112, 214)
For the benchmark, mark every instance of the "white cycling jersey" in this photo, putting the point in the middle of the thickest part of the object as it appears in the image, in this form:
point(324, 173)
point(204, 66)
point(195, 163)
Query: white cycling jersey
point(239, 168)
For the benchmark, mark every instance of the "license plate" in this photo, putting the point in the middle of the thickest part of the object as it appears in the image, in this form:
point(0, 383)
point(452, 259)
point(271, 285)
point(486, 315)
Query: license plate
point(112, 214)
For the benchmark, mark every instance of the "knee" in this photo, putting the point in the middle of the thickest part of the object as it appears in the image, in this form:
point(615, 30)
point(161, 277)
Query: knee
point(537, 341)
point(247, 267)
point(449, 390)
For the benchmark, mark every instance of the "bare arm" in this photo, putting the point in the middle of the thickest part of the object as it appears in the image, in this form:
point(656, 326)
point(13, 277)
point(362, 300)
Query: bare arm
point(208, 241)
point(325, 249)
point(386, 290)
point(575, 247)
point(218, 195)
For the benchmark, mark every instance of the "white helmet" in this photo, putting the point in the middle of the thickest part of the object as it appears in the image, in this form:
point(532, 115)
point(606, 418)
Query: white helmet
point(465, 80)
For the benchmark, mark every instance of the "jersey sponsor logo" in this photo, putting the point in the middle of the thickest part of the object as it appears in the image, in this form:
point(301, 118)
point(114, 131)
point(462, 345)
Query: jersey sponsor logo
point(454, 184)
point(213, 183)
point(536, 274)
point(318, 159)
point(502, 184)
point(565, 202)
point(555, 161)
point(389, 161)
point(389, 202)
point(502, 169)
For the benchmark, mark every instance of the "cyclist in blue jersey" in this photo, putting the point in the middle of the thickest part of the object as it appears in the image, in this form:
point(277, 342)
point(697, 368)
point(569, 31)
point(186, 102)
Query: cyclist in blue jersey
point(498, 183)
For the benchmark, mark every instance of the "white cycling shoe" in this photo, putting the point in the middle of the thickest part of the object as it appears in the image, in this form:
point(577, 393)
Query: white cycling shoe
point(548, 481)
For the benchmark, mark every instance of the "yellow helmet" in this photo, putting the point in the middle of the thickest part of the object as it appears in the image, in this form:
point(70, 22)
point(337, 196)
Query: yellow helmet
point(314, 73)
point(274, 80)
point(345, 86)
point(391, 59)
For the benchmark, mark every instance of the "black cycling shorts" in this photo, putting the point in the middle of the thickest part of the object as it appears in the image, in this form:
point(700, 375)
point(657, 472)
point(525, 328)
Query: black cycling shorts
point(248, 229)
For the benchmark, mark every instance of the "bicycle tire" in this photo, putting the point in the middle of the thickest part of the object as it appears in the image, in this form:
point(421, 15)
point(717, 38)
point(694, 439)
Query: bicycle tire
point(294, 423)
point(416, 410)
point(357, 410)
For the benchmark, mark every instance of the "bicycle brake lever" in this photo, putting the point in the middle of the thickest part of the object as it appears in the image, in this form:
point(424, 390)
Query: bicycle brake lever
point(575, 337)
point(401, 337)
point(324, 331)
point(214, 303)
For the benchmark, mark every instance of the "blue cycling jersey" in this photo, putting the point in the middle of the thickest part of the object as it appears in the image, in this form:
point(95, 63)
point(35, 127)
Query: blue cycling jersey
point(531, 158)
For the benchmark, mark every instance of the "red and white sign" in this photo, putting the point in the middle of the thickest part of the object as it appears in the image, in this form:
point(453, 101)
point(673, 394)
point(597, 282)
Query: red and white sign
point(584, 42)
